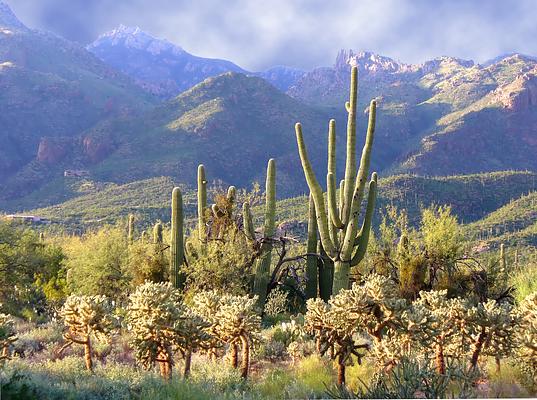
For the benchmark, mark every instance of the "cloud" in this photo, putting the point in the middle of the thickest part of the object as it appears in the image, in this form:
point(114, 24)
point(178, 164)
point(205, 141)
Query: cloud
point(302, 33)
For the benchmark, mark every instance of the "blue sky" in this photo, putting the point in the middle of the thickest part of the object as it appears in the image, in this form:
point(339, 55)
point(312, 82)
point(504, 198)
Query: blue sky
point(302, 33)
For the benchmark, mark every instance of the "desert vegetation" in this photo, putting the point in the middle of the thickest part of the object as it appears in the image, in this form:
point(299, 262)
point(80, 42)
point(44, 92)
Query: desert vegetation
point(368, 303)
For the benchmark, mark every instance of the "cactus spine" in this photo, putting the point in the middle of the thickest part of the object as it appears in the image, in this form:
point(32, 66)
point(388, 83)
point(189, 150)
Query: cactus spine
point(176, 244)
point(338, 227)
point(202, 201)
point(262, 272)
point(311, 260)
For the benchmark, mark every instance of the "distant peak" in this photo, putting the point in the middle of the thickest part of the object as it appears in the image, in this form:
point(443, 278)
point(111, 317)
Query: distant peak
point(8, 19)
point(369, 62)
point(134, 38)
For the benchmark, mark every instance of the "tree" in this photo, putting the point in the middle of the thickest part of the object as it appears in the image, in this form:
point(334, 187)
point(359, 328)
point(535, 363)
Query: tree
point(98, 262)
point(30, 270)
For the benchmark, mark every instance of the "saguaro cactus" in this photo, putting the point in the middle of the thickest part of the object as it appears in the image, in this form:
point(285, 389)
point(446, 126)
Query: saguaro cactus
point(131, 229)
point(338, 227)
point(262, 272)
point(202, 201)
point(177, 252)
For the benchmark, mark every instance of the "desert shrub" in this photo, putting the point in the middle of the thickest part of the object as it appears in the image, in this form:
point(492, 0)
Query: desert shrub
point(98, 263)
point(30, 271)
point(410, 379)
point(148, 261)
point(224, 265)
point(524, 280)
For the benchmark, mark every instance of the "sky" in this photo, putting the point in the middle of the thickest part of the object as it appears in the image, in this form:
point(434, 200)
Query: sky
point(305, 34)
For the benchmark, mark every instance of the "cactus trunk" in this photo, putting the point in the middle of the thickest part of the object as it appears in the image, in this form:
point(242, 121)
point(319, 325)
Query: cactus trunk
point(262, 274)
point(87, 355)
point(177, 253)
point(245, 363)
point(326, 273)
point(188, 363)
point(312, 272)
point(234, 355)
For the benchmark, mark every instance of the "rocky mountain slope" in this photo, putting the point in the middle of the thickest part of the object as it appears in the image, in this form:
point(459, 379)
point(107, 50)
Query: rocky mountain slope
point(166, 69)
point(445, 116)
point(51, 91)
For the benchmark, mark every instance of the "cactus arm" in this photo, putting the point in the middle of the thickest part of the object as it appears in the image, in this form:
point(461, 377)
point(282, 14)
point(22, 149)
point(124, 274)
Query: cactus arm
point(177, 252)
point(359, 188)
point(331, 178)
point(202, 201)
point(363, 237)
point(232, 194)
point(311, 261)
point(341, 197)
point(249, 230)
point(332, 146)
point(157, 233)
point(350, 166)
point(332, 204)
point(317, 193)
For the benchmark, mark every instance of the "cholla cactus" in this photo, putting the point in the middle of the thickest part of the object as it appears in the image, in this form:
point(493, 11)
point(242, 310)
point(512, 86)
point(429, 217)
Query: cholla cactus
point(161, 324)
point(86, 317)
point(491, 328)
point(449, 323)
point(233, 321)
point(374, 306)
point(7, 335)
point(335, 334)
point(527, 337)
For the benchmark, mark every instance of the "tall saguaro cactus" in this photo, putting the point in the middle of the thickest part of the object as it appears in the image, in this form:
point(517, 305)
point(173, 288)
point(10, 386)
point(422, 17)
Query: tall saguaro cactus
point(262, 272)
point(202, 201)
point(177, 252)
point(341, 237)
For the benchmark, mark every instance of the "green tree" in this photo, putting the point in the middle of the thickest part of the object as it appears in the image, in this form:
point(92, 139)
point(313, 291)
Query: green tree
point(98, 263)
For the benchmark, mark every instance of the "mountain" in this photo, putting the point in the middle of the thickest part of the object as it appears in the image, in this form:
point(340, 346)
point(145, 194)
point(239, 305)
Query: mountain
point(515, 223)
point(51, 91)
point(281, 76)
point(445, 116)
point(232, 123)
point(166, 69)
point(157, 65)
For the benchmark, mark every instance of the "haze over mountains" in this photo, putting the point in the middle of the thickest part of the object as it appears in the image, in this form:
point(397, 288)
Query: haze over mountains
point(131, 107)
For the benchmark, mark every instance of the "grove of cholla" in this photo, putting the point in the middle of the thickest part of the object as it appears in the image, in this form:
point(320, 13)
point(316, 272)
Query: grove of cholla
point(231, 306)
